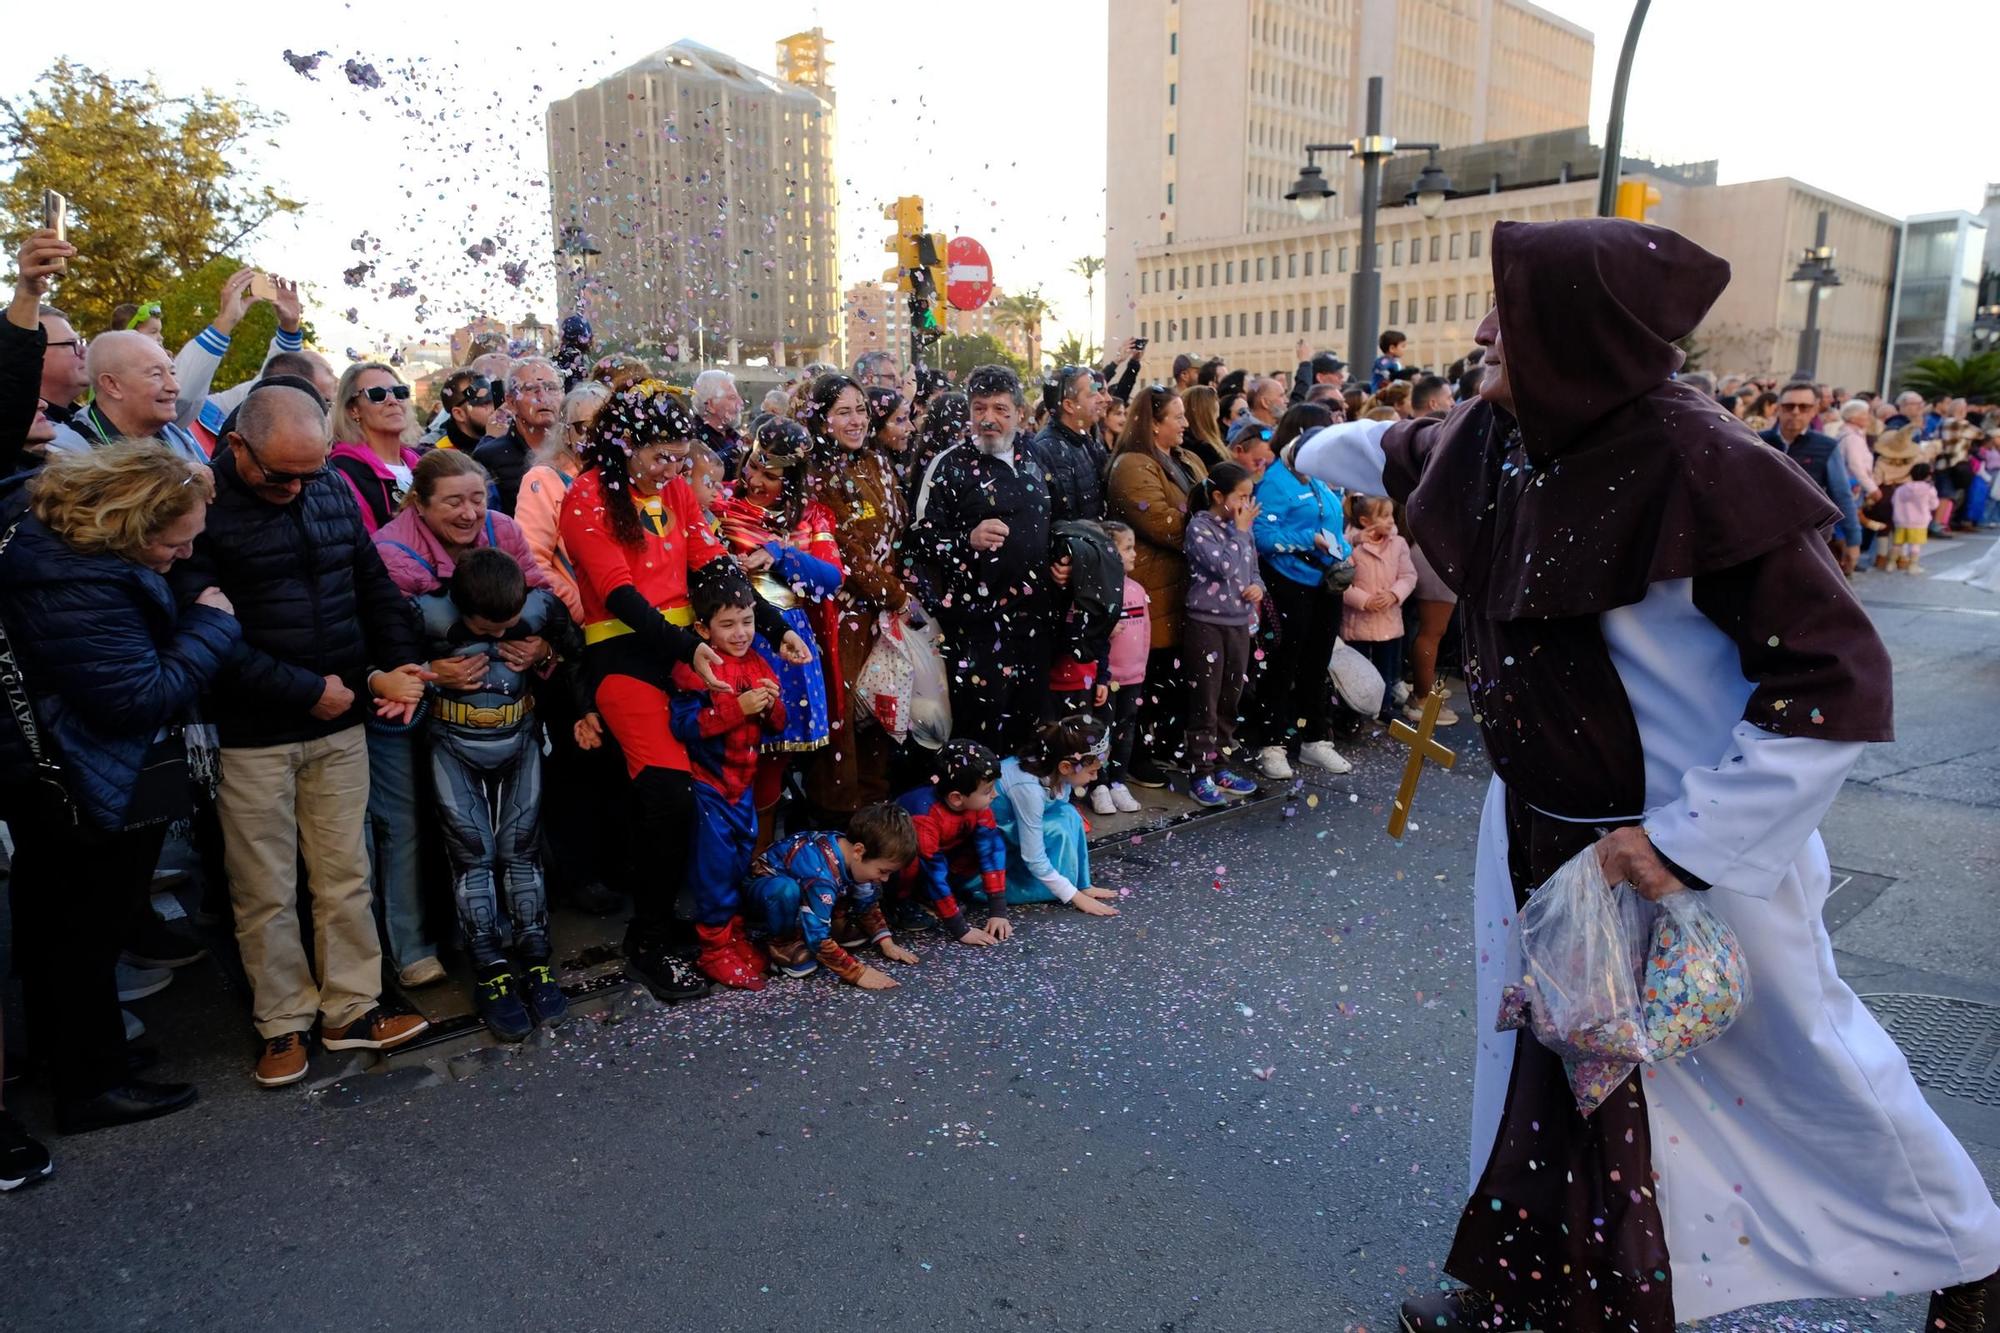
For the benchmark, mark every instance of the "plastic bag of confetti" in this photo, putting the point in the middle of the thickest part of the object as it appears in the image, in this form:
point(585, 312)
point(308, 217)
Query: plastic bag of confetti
point(930, 690)
point(1696, 980)
point(1582, 944)
point(883, 686)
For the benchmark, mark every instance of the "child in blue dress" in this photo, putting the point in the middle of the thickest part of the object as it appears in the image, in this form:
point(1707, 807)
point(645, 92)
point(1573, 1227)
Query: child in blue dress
point(1048, 854)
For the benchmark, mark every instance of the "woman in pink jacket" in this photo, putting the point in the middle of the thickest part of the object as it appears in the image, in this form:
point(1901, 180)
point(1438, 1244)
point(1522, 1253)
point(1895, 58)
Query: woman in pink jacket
point(1371, 614)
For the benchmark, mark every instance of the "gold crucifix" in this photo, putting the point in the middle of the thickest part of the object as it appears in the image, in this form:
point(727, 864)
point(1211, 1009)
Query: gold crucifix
point(1422, 747)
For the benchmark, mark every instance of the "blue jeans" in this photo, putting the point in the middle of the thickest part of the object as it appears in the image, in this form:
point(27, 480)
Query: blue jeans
point(393, 835)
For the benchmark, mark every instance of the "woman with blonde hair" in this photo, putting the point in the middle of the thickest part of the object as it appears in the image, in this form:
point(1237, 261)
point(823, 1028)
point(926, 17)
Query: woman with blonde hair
point(1203, 437)
point(110, 667)
point(374, 435)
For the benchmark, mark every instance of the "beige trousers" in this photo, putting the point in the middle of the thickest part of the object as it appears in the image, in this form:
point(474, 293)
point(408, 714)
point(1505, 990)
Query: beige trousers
point(279, 803)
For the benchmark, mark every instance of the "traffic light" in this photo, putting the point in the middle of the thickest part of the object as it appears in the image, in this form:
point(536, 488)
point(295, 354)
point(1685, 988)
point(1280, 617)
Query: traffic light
point(1634, 199)
point(934, 267)
point(908, 215)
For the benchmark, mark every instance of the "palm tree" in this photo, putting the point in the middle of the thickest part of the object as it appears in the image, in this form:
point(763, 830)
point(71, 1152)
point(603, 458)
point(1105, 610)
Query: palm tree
point(1938, 377)
point(1088, 267)
point(1024, 313)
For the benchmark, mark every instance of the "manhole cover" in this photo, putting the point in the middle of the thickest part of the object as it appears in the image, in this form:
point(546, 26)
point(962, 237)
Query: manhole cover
point(1953, 1046)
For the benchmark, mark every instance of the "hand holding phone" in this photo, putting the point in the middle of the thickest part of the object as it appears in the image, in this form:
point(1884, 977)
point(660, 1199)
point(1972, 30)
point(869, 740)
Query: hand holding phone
point(262, 288)
point(55, 218)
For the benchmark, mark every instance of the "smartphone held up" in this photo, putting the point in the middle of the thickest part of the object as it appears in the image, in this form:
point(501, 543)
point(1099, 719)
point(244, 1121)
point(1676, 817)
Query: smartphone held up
point(55, 218)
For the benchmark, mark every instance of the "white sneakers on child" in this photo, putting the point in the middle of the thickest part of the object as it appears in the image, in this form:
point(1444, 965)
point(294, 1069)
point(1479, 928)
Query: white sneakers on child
point(1321, 754)
point(1113, 798)
point(1271, 763)
point(1122, 797)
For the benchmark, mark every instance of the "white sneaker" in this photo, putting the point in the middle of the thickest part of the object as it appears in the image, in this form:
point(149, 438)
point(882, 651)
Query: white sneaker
point(1271, 762)
point(1321, 754)
point(1414, 712)
point(136, 983)
point(1122, 797)
point(1102, 801)
point(1402, 692)
point(423, 972)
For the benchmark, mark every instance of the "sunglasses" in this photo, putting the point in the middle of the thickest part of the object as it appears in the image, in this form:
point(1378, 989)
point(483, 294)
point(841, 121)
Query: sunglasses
point(382, 393)
point(472, 393)
point(273, 477)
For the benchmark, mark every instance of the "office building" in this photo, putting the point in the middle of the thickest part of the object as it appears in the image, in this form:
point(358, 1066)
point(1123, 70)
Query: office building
point(694, 201)
point(878, 317)
point(1937, 289)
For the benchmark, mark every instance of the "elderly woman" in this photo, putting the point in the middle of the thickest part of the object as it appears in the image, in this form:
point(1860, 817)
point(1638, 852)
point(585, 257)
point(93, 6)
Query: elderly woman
point(374, 437)
point(1147, 489)
point(444, 514)
point(111, 668)
point(539, 508)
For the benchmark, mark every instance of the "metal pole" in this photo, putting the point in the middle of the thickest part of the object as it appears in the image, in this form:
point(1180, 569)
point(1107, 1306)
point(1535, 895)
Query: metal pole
point(1809, 335)
point(1365, 291)
point(1614, 130)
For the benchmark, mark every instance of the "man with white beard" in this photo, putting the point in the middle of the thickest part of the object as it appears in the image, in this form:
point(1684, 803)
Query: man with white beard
point(980, 536)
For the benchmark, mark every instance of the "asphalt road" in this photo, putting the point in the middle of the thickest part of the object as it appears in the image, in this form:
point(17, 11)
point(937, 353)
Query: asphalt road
point(1239, 1105)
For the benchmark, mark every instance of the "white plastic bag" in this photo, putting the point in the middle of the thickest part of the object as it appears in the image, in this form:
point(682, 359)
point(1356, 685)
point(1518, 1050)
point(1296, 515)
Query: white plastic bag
point(882, 688)
point(1582, 945)
point(1355, 680)
point(930, 690)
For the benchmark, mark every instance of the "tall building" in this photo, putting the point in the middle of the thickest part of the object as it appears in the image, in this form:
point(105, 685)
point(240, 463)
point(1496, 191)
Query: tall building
point(1212, 104)
point(1251, 298)
point(707, 190)
point(1938, 275)
point(878, 318)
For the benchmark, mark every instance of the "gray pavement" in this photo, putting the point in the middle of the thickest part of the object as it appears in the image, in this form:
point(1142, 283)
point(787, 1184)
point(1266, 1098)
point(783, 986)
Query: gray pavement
point(1239, 1105)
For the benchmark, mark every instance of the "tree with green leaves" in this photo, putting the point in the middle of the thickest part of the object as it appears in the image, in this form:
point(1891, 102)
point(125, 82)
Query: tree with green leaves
point(193, 300)
point(1935, 377)
point(1087, 268)
point(961, 353)
point(156, 186)
point(1023, 313)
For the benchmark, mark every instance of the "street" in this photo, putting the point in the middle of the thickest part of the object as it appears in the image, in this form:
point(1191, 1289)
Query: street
point(1239, 1105)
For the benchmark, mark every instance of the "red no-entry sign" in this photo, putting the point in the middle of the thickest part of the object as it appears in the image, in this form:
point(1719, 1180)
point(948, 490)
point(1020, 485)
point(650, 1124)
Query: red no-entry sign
point(970, 279)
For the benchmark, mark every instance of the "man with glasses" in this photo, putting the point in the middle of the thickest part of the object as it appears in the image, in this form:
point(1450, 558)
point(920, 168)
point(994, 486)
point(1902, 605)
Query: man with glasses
point(718, 407)
point(323, 628)
point(63, 378)
point(1068, 447)
point(136, 395)
point(468, 399)
point(534, 402)
point(1819, 455)
point(877, 370)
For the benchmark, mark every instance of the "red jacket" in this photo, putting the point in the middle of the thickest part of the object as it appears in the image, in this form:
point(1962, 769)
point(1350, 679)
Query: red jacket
point(721, 742)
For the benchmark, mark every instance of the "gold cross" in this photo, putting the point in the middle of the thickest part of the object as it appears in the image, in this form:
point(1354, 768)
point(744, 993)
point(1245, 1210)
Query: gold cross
point(1422, 747)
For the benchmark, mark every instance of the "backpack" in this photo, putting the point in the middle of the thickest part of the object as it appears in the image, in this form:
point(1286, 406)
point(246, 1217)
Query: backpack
point(1096, 575)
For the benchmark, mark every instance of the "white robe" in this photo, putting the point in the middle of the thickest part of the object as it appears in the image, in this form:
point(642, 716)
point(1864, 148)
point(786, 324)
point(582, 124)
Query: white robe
point(1795, 1155)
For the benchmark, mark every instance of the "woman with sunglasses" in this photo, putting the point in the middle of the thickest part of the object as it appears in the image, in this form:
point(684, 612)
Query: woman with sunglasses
point(374, 437)
point(631, 525)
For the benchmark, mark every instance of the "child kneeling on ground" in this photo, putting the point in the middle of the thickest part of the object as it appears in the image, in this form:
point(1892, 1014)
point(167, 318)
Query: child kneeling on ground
point(1048, 857)
point(798, 883)
point(486, 766)
point(959, 847)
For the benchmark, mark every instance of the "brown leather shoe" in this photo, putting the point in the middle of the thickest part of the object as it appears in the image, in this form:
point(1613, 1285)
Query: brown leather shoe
point(376, 1030)
point(283, 1060)
point(1458, 1312)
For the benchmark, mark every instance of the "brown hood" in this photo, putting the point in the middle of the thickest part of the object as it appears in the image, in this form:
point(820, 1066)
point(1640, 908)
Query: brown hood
point(1589, 312)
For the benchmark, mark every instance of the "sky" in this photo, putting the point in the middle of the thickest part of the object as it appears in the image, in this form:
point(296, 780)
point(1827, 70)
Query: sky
point(996, 117)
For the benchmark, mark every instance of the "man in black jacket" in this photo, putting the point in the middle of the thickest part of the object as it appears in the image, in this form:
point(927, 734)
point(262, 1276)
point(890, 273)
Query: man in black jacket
point(981, 540)
point(1068, 448)
point(323, 627)
point(1820, 456)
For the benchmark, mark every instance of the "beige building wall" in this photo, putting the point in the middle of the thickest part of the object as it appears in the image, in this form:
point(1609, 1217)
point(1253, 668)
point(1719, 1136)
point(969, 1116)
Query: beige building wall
point(1211, 105)
point(1250, 299)
point(709, 187)
point(877, 318)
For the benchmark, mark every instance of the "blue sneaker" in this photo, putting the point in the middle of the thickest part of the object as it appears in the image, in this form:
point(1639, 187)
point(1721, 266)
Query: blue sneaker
point(1205, 792)
point(1234, 783)
point(500, 1007)
point(546, 1002)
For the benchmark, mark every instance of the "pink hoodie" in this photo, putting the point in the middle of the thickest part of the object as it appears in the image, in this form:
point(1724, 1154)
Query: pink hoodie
point(418, 562)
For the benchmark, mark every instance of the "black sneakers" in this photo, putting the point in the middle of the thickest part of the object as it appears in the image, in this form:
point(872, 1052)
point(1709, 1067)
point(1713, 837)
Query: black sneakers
point(23, 1161)
point(657, 966)
point(500, 1008)
point(547, 1004)
point(157, 944)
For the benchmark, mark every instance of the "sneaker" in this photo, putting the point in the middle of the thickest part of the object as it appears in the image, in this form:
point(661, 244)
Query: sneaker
point(136, 983)
point(1205, 792)
point(23, 1161)
point(546, 1002)
point(380, 1029)
point(283, 1060)
point(1917, 569)
point(131, 1101)
point(664, 972)
point(134, 1029)
point(1402, 692)
point(789, 957)
point(1235, 784)
point(423, 972)
point(1122, 797)
point(157, 944)
point(1321, 754)
point(1273, 764)
point(1414, 713)
point(1102, 801)
point(500, 1009)
point(1144, 772)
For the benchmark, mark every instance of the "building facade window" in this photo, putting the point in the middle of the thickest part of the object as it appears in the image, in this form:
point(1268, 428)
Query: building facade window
point(1229, 270)
point(1213, 269)
point(1395, 251)
point(1290, 323)
point(1324, 265)
point(1143, 275)
point(1322, 319)
point(1260, 270)
point(1454, 245)
point(1229, 326)
point(1340, 317)
point(1260, 321)
point(1170, 279)
point(1473, 242)
point(1450, 308)
point(1343, 259)
point(1173, 94)
point(1395, 310)
point(1416, 249)
point(1170, 145)
point(1173, 43)
point(1291, 266)
point(1170, 192)
point(1430, 309)
point(1434, 249)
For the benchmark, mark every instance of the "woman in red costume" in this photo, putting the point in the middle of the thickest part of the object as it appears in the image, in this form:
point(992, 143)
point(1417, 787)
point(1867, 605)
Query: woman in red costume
point(635, 534)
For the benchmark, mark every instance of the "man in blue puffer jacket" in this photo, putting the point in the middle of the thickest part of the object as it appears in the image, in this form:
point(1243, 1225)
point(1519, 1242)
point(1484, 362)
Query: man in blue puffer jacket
point(285, 542)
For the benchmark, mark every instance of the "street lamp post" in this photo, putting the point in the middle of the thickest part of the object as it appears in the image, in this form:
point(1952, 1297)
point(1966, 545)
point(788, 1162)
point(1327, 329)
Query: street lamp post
point(1311, 191)
point(1816, 273)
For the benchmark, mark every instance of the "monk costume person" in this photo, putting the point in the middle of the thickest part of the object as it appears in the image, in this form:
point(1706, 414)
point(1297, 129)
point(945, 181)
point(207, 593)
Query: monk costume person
point(1665, 664)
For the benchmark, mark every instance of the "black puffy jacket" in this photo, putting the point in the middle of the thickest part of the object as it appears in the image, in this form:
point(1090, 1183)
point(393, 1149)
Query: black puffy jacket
point(109, 661)
point(314, 601)
point(1075, 465)
point(506, 459)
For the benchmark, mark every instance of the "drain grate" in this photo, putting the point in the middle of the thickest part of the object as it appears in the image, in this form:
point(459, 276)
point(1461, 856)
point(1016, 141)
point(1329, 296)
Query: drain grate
point(1953, 1045)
